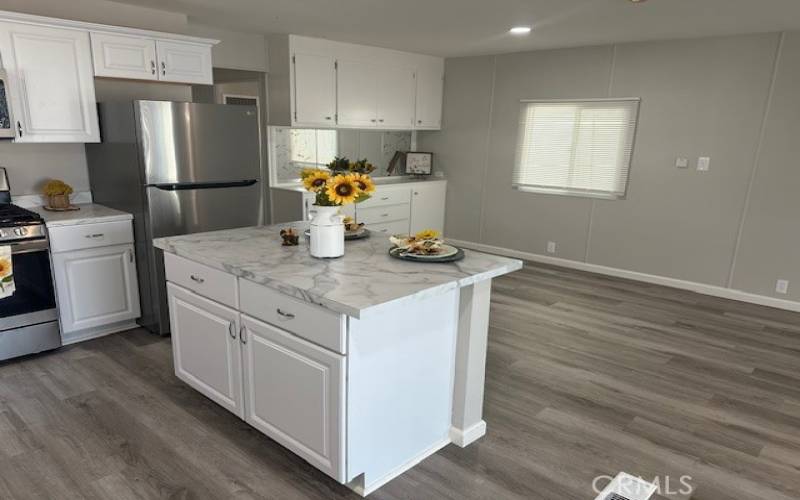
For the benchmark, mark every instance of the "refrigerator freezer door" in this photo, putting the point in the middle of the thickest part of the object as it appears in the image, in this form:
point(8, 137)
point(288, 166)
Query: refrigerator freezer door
point(185, 142)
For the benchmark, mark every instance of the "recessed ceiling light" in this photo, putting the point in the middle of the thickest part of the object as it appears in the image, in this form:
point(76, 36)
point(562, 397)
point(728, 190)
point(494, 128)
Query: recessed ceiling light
point(520, 30)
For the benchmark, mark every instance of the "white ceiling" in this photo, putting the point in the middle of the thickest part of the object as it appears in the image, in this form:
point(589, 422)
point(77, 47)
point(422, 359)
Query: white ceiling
point(468, 27)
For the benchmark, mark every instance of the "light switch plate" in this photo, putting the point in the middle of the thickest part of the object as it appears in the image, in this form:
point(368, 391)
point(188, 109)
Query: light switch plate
point(782, 287)
point(703, 164)
point(681, 162)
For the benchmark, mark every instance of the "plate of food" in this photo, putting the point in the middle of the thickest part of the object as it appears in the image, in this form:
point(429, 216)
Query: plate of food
point(352, 230)
point(425, 246)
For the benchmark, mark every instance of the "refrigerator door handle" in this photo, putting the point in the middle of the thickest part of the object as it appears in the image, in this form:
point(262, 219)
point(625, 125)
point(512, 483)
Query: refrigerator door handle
point(202, 185)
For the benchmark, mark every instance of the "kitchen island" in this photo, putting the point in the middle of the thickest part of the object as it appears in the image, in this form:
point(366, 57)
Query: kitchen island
point(362, 365)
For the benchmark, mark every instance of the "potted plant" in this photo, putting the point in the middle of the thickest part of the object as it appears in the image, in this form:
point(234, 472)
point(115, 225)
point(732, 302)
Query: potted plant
point(342, 184)
point(57, 193)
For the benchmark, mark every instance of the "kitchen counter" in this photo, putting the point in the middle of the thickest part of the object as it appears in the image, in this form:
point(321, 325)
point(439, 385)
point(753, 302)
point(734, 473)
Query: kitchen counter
point(379, 181)
point(89, 213)
point(362, 365)
point(356, 284)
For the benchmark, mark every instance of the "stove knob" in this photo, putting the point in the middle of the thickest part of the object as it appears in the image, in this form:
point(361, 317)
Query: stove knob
point(20, 231)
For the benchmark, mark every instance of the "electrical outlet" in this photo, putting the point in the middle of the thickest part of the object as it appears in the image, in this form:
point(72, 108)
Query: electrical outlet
point(551, 247)
point(703, 164)
point(681, 162)
point(782, 287)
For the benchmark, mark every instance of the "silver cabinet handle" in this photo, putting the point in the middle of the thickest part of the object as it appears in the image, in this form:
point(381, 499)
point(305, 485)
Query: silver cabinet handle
point(152, 67)
point(327, 117)
point(384, 198)
point(419, 121)
point(19, 128)
point(231, 330)
point(94, 236)
point(285, 314)
point(130, 255)
point(373, 120)
point(197, 279)
point(163, 68)
point(243, 334)
point(381, 120)
point(384, 215)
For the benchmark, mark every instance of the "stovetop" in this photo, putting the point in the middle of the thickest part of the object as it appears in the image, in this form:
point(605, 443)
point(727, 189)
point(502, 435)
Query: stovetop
point(12, 215)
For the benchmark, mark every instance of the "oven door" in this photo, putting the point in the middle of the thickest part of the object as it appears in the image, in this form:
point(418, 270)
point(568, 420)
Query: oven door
point(6, 127)
point(34, 300)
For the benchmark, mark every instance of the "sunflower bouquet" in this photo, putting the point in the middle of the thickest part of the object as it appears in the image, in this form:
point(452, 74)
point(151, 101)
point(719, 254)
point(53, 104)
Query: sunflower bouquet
point(337, 187)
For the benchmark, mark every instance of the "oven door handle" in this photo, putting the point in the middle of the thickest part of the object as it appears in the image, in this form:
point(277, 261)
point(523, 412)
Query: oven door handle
point(21, 247)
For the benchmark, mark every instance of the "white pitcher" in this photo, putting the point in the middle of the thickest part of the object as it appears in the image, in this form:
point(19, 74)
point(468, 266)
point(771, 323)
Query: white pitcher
point(327, 232)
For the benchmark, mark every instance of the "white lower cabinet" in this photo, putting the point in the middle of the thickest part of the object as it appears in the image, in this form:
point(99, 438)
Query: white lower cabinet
point(206, 348)
point(295, 393)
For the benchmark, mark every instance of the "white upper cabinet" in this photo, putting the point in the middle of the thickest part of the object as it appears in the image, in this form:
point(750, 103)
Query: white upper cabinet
point(51, 83)
point(313, 89)
point(184, 62)
point(395, 87)
point(356, 93)
point(370, 87)
point(430, 86)
point(119, 56)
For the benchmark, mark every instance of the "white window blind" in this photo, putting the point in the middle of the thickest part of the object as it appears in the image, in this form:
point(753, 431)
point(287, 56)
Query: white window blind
point(578, 147)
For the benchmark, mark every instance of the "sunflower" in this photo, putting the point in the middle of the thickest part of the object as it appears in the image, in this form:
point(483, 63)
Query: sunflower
point(307, 171)
point(364, 183)
point(315, 181)
point(342, 190)
point(5, 268)
point(427, 234)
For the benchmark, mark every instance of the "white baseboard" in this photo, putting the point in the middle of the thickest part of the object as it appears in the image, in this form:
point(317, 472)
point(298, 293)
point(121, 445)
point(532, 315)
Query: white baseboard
point(362, 489)
point(93, 333)
point(713, 290)
point(465, 437)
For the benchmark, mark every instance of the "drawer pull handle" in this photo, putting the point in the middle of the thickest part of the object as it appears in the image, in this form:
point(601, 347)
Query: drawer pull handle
point(243, 334)
point(197, 279)
point(231, 330)
point(384, 215)
point(285, 314)
point(384, 198)
point(96, 235)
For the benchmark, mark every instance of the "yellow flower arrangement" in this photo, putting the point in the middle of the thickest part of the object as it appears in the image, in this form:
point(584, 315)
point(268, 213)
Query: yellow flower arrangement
point(57, 187)
point(364, 183)
point(5, 268)
point(342, 189)
point(316, 181)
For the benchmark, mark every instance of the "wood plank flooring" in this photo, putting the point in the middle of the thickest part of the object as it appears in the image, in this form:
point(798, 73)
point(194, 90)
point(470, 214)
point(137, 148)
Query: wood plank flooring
point(586, 376)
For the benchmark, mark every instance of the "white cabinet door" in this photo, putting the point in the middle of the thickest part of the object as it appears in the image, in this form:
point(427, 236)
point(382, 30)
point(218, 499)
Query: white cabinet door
point(313, 89)
point(295, 393)
point(122, 56)
point(427, 206)
point(96, 287)
point(51, 83)
point(395, 97)
point(184, 62)
point(356, 94)
point(206, 348)
point(430, 83)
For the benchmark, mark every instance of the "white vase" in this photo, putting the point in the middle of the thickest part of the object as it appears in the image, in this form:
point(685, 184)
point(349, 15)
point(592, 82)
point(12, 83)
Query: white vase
point(327, 232)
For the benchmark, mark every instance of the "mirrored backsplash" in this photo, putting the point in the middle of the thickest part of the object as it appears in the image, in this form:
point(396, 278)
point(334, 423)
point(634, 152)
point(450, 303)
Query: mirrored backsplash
point(293, 149)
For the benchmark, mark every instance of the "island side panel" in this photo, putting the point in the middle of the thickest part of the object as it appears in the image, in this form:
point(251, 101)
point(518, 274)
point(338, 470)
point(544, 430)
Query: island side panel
point(401, 364)
point(470, 370)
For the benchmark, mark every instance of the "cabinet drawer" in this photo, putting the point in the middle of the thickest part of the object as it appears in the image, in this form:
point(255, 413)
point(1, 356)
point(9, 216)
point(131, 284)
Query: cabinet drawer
point(206, 281)
point(390, 228)
point(387, 196)
point(310, 322)
point(82, 236)
point(377, 215)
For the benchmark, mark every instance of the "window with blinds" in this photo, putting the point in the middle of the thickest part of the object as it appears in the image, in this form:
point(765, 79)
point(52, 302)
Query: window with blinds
point(576, 147)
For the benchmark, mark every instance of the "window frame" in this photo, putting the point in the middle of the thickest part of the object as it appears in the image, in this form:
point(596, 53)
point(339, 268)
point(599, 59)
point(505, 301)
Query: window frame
point(575, 192)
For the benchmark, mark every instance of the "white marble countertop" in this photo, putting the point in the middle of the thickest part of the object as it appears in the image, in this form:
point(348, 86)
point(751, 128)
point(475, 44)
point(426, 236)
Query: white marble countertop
point(356, 284)
point(379, 181)
point(89, 213)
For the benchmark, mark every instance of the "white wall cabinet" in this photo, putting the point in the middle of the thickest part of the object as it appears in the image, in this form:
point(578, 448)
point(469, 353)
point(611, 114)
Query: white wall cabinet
point(120, 56)
point(430, 89)
point(51, 83)
point(314, 89)
point(205, 347)
point(184, 62)
point(95, 275)
point(334, 84)
point(295, 394)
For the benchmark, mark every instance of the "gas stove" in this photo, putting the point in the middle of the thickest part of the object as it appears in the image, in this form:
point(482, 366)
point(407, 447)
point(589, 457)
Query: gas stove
point(17, 223)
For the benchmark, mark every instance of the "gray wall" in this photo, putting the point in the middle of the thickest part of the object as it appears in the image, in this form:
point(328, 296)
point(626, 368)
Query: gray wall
point(734, 225)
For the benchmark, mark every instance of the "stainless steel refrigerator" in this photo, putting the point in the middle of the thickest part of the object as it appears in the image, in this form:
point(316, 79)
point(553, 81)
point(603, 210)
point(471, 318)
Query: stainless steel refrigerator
point(179, 168)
